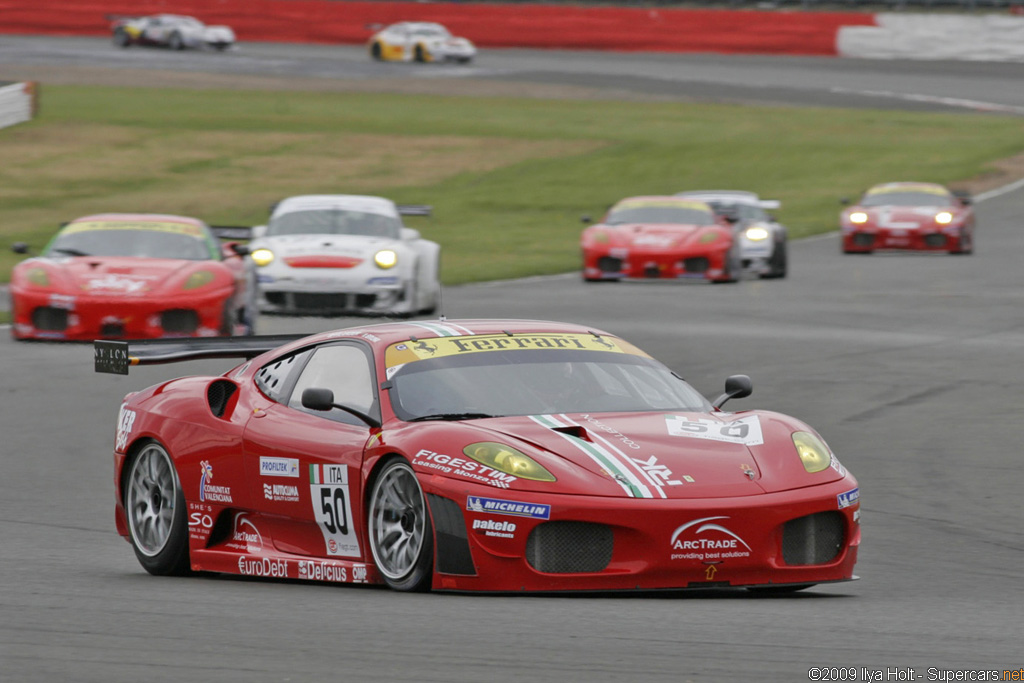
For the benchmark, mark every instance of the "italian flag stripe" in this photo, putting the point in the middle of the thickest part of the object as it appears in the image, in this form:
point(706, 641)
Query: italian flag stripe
point(315, 477)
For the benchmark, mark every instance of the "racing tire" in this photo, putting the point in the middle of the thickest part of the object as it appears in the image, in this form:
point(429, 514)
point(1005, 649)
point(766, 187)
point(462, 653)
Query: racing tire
point(155, 507)
point(377, 52)
point(464, 60)
point(966, 247)
point(175, 42)
point(399, 530)
point(121, 38)
point(733, 268)
point(777, 263)
point(420, 55)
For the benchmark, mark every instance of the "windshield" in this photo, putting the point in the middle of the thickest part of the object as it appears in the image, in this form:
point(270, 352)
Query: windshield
point(532, 382)
point(906, 199)
point(430, 32)
point(161, 241)
point(659, 214)
point(335, 222)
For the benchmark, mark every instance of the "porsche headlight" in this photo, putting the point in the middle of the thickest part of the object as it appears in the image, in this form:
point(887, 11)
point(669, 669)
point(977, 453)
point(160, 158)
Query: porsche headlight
point(813, 452)
point(38, 277)
point(508, 460)
point(262, 257)
point(385, 258)
point(756, 233)
point(198, 279)
point(944, 218)
point(858, 217)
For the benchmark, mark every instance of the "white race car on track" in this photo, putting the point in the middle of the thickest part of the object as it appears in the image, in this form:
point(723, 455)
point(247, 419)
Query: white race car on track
point(761, 239)
point(173, 31)
point(338, 254)
point(420, 41)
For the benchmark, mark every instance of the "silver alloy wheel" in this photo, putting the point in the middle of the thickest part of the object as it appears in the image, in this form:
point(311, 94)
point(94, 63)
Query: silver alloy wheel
point(151, 494)
point(397, 521)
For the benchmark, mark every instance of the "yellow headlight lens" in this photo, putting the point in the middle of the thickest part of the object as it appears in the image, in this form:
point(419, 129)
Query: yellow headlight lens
point(708, 238)
point(757, 233)
point(508, 460)
point(813, 452)
point(198, 279)
point(262, 257)
point(858, 217)
point(944, 218)
point(38, 277)
point(385, 259)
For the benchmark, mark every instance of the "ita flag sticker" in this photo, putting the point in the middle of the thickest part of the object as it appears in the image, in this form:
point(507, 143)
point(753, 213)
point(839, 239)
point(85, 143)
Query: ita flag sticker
point(332, 509)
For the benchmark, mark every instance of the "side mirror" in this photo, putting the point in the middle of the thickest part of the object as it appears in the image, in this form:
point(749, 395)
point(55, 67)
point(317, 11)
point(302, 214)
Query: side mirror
point(239, 248)
point(258, 231)
point(19, 248)
point(318, 399)
point(845, 201)
point(410, 234)
point(736, 386)
point(586, 219)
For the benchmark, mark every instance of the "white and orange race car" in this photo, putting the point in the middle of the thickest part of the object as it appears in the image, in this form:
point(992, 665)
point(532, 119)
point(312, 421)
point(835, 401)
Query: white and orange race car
point(420, 41)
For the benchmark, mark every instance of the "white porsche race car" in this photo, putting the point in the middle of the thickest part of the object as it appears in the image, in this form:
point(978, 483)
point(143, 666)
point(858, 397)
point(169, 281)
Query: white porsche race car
point(420, 41)
point(761, 239)
point(173, 31)
point(345, 254)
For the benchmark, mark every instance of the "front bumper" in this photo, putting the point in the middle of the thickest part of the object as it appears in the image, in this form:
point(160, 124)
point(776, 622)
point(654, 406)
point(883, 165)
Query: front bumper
point(47, 315)
point(599, 544)
point(333, 297)
point(618, 264)
point(917, 239)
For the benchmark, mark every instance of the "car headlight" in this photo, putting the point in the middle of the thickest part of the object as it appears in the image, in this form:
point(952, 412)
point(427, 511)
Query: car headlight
point(198, 279)
point(858, 217)
point(262, 257)
point(944, 218)
point(508, 460)
point(38, 277)
point(385, 258)
point(756, 233)
point(813, 452)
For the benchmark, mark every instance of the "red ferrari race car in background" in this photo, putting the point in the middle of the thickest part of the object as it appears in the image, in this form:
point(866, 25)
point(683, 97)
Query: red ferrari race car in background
point(660, 237)
point(919, 216)
point(480, 455)
point(133, 276)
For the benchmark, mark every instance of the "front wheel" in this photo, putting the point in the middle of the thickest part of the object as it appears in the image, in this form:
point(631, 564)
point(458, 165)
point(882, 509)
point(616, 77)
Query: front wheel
point(420, 55)
point(377, 52)
point(121, 38)
point(399, 529)
point(155, 505)
point(176, 42)
point(777, 263)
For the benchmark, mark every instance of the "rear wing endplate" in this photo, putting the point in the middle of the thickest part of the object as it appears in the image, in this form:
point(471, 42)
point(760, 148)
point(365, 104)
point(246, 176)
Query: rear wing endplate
point(232, 232)
point(414, 209)
point(115, 357)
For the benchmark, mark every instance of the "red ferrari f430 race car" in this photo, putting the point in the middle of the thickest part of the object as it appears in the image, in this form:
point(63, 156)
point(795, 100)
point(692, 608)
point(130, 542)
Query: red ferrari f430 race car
point(917, 216)
point(478, 455)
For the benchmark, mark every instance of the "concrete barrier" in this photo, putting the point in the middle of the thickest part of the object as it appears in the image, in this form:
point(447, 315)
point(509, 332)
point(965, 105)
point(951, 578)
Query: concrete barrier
point(991, 38)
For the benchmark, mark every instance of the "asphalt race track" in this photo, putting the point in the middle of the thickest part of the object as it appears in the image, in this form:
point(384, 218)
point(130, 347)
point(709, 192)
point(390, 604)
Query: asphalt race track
point(909, 365)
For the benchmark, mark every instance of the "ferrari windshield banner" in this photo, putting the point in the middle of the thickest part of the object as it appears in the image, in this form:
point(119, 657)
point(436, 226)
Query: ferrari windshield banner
point(908, 187)
point(420, 349)
point(151, 226)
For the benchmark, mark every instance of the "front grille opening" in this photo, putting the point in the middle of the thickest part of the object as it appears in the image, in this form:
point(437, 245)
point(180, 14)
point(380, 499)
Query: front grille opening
point(814, 539)
point(570, 547)
point(276, 298)
point(365, 300)
point(50, 319)
point(934, 240)
point(652, 271)
point(112, 330)
point(179, 321)
point(218, 394)
point(697, 264)
point(608, 264)
point(863, 240)
point(320, 301)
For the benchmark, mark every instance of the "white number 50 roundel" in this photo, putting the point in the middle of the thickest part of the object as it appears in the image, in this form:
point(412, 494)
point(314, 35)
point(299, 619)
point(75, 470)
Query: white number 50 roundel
point(746, 430)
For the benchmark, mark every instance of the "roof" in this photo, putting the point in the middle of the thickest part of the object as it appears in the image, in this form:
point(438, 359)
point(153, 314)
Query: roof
point(327, 202)
point(138, 218)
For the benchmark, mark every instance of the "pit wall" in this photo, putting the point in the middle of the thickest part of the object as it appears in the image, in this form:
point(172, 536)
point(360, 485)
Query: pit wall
point(849, 34)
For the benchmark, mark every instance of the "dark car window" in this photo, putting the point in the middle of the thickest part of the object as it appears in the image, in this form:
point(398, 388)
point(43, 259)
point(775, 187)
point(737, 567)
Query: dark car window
point(142, 242)
point(906, 199)
point(335, 222)
point(346, 369)
point(659, 214)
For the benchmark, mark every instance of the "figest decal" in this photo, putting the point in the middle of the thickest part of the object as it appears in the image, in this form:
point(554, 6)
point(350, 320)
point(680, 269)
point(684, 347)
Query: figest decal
point(463, 467)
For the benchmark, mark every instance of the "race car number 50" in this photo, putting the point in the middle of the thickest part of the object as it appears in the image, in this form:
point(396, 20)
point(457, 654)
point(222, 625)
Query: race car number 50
point(328, 487)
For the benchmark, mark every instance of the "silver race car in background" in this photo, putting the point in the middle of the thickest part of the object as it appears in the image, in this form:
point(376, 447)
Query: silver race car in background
point(344, 254)
point(761, 239)
point(173, 31)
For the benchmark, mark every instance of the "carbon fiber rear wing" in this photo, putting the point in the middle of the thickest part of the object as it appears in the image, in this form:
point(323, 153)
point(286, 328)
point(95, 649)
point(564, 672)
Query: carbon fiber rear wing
point(232, 232)
point(115, 357)
point(414, 209)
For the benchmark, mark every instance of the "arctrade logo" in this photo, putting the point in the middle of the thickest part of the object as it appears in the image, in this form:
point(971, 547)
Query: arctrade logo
point(492, 527)
point(701, 539)
point(508, 507)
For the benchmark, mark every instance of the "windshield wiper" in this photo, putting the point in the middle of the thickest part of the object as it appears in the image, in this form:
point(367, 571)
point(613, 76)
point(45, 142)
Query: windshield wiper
point(451, 416)
point(70, 252)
